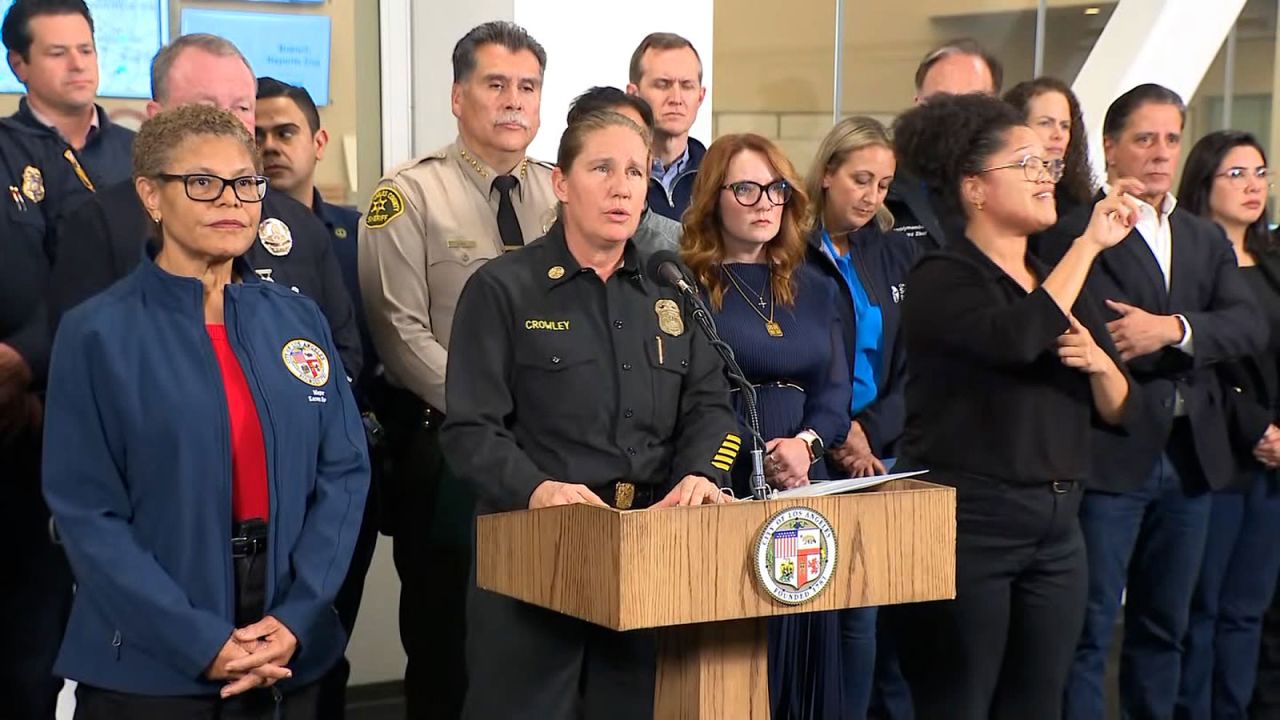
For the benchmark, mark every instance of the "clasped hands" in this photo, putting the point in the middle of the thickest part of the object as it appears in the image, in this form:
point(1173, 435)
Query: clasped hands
point(1267, 450)
point(254, 656)
point(855, 456)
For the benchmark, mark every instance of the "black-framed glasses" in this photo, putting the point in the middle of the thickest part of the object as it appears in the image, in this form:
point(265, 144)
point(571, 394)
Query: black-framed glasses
point(749, 192)
point(1034, 168)
point(1240, 176)
point(203, 187)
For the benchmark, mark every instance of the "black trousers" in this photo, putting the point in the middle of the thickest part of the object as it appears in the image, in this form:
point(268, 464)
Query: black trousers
point(1003, 648)
point(431, 521)
point(291, 703)
point(98, 704)
point(36, 600)
point(527, 663)
point(333, 686)
point(1266, 691)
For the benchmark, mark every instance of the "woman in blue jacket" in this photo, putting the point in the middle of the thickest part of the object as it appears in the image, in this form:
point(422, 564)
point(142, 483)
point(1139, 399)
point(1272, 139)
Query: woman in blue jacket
point(204, 460)
point(853, 243)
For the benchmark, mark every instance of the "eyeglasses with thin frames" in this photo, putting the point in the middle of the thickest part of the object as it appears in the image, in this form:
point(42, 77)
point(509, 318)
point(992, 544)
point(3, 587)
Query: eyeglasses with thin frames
point(1240, 176)
point(1034, 169)
point(203, 187)
point(749, 192)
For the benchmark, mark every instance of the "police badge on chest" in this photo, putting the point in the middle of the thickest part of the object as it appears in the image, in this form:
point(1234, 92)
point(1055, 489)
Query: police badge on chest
point(275, 237)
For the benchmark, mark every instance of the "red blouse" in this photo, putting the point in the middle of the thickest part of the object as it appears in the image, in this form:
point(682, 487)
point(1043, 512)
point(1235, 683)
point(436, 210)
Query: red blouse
point(249, 495)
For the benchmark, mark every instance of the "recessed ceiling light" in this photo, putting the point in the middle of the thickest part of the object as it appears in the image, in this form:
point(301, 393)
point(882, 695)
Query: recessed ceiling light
point(1092, 11)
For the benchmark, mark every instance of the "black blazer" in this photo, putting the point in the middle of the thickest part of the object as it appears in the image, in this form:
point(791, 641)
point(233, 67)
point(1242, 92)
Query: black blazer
point(103, 240)
point(1252, 398)
point(915, 213)
point(1226, 323)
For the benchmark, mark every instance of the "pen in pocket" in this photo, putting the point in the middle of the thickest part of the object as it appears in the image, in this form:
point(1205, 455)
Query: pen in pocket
point(661, 355)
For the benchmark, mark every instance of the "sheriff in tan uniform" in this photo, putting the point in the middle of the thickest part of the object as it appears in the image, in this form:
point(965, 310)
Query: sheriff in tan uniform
point(431, 223)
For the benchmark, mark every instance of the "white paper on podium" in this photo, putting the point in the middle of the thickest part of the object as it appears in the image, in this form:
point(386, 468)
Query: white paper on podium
point(835, 487)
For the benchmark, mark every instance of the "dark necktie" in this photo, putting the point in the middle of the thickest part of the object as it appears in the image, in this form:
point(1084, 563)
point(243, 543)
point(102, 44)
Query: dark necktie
point(508, 224)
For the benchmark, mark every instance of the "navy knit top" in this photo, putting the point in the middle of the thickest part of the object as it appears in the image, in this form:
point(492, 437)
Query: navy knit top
point(802, 376)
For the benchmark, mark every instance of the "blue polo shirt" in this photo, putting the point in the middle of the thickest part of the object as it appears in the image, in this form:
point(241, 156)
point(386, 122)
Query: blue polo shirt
point(869, 335)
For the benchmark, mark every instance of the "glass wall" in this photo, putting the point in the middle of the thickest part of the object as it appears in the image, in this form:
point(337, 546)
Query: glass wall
point(1238, 89)
point(345, 175)
point(1070, 34)
point(776, 60)
point(775, 71)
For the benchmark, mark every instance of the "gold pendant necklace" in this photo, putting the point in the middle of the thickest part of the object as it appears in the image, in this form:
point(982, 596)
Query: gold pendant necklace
point(770, 326)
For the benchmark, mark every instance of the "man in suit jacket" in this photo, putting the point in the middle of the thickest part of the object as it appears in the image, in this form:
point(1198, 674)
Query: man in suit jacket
point(957, 67)
point(1176, 306)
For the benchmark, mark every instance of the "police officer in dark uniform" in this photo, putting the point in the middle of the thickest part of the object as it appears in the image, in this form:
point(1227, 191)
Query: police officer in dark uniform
point(102, 240)
point(574, 378)
point(34, 574)
point(292, 142)
point(61, 87)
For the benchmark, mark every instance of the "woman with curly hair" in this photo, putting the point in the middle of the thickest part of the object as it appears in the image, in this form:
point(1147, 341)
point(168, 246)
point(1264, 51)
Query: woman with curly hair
point(1051, 109)
point(1008, 365)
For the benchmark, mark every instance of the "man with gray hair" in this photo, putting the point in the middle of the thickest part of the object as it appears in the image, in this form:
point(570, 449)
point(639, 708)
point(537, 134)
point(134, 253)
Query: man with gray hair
point(431, 223)
point(957, 67)
point(101, 240)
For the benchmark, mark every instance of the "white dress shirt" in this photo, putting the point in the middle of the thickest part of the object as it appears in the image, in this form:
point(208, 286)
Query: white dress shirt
point(1154, 227)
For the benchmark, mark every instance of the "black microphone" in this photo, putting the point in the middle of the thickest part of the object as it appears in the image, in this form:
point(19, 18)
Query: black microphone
point(665, 267)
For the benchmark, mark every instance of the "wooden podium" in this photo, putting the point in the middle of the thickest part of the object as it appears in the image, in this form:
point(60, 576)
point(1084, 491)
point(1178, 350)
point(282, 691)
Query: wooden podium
point(691, 572)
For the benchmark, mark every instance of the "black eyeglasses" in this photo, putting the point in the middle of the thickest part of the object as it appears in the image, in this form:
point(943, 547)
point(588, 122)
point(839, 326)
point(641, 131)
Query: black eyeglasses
point(208, 188)
point(748, 192)
point(1034, 169)
point(1240, 176)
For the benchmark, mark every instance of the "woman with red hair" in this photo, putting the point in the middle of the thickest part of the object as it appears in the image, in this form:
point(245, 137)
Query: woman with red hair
point(745, 244)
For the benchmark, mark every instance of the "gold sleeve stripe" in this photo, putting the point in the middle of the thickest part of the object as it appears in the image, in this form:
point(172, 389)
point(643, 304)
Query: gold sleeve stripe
point(727, 453)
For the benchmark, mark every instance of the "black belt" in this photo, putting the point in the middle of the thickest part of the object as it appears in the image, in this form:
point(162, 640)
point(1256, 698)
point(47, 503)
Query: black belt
point(1062, 487)
point(249, 538)
point(247, 546)
point(624, 495)
point(396, 406)
point(781, 384)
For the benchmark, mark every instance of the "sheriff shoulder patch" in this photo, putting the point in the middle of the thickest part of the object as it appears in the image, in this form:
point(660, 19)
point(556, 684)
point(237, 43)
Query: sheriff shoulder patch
point(386, 205)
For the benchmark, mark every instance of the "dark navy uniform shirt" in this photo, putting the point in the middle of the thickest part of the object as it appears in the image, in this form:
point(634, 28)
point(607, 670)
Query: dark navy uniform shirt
point(37, 186)
point(107, 155)
point(343, 223)
point(555, 375)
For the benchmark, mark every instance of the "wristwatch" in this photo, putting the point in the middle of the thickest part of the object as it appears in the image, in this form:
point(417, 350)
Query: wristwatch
point(814, 443)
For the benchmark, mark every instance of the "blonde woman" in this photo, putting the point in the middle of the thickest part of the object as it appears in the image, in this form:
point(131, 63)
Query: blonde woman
point(852, 241)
